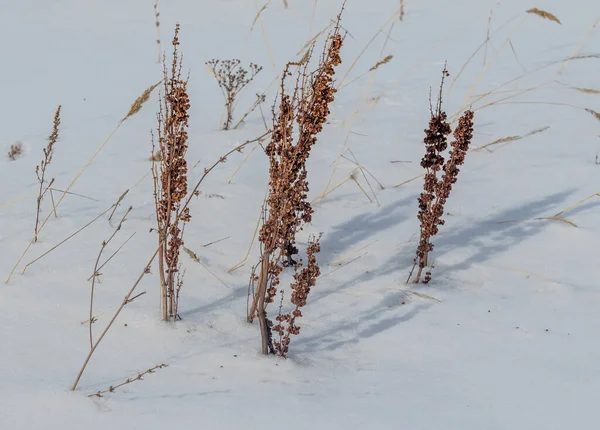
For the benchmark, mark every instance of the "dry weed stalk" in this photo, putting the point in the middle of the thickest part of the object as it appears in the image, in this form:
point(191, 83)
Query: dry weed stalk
point(232, 79)
point(40, 170)
point(15, 151)
point(300, 119)
point(95, 277)
point(437, 189)
point(170, 183)
point(139, 377)
point(126, 300)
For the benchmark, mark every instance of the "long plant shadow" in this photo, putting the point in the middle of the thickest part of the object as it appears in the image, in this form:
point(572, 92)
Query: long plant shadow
point(495, 236)
point(365, 325)
point(235, 294)
point(363, 226)
point(489, 237)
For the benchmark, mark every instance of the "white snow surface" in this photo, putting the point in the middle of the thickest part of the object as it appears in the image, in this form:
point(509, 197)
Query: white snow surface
point(511, 341)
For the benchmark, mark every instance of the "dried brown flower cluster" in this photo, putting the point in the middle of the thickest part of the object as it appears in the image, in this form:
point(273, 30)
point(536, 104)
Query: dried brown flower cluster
point(300, 119)
point(15, 151)
point(40, 170)
point(304, 280)
point(437, 189)
point(171, 180)
point(232, 78)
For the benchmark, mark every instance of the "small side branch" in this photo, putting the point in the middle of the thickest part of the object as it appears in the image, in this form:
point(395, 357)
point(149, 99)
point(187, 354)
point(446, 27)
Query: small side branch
point(139, 377)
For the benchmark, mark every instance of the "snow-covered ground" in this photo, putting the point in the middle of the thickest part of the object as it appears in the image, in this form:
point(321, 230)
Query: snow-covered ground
point(510, 341)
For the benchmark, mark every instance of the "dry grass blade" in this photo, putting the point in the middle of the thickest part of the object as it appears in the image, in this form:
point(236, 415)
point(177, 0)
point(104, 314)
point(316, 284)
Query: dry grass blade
point(139, 377)
point(65, 240)
point(546, 218)
point(196, 259)
point(118, 203)
point(386, 60)
point(306, 47)
point(593, 112)
point(262, 9)
point(579, 45)
point(543, 14)
point(343, 257)
point(576, 204)
point(510, 139)
point(421, 295)
point(341, 266)
point(587, 90)
point(139, 102)
point(410, 180)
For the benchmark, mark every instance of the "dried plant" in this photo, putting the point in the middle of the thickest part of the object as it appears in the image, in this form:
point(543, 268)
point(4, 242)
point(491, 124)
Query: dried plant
point(15, 152)
point(437, 189)
point(304, 279)
point(232, 79)
point(40, 170)
point(301, 116)
point(170, 180)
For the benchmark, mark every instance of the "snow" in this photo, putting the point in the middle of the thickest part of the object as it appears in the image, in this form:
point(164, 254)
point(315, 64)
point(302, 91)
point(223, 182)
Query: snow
point(508, 342)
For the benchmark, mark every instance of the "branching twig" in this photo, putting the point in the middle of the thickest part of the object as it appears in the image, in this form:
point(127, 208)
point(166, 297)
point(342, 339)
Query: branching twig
point(97, 273)
point(40, 170)
point(139, 377)
point(111, 322)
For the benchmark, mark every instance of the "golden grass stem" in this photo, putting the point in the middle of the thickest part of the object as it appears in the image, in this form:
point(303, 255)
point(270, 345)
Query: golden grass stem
point(65, 240)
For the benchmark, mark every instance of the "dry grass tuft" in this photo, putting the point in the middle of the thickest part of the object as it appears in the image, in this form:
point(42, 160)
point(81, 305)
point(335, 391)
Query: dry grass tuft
point(543, 14)
point(15, 152)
